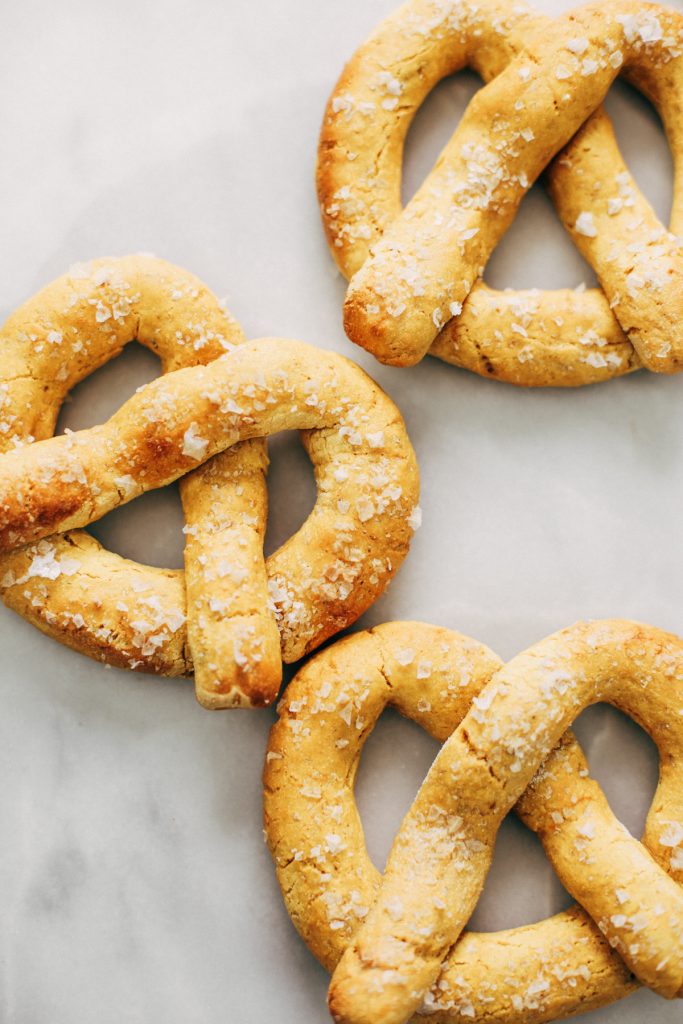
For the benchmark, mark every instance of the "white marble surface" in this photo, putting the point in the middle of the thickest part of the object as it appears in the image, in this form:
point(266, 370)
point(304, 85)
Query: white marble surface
point(134, 884)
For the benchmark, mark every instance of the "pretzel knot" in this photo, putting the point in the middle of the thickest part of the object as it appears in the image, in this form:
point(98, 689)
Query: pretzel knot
point(230, 616)
point(395, 943)
point(415, 274)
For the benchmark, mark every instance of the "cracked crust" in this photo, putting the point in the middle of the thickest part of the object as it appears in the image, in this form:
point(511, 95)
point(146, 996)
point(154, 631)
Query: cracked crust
point(415, 273)
point(243, 616)
point(395, 937)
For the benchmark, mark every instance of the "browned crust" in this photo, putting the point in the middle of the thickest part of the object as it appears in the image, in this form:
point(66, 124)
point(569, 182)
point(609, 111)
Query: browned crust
point(453, 686)
point(395, 305)
point(245, 616)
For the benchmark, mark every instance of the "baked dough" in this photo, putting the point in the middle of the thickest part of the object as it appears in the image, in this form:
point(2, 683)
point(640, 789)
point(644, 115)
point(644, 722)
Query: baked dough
point(506, 720)
point(415, 273)
point(243, 615)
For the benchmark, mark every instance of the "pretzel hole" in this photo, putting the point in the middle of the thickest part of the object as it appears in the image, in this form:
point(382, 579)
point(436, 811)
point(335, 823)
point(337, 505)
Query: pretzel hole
point(623, 759)
point(291, 488)
point(393, 765)
point(551, 260)
point(536, 228)
point(102, 392)
point(149, 529)
point(643, 144)
point(521, 886)
point(433, 124)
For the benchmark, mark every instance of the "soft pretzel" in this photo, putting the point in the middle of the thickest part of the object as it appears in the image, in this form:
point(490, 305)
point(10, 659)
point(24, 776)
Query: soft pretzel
point(415, 274)
point(72, 588)
point(239, 611)
point(392, 940)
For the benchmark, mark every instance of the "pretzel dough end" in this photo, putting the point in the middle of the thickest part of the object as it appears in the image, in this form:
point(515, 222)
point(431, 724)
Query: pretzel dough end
point(375, 333)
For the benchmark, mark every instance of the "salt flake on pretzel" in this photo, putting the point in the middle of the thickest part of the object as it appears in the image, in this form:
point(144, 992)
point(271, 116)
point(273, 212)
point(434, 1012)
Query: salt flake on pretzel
point(392, 940)
point(242, 615)
point(415, 273)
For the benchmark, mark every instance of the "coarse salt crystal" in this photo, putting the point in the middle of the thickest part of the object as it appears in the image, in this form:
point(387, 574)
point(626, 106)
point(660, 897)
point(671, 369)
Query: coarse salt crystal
point(405, 655)
point(194, 446)
point(578, 45)
point(585, 226)
point(334, 843)
point(415, 519)
point(672, 835)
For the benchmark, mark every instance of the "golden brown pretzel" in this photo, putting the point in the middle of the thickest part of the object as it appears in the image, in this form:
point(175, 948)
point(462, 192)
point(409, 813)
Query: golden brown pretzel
point(415, 274)
point(133, 615)
point(388, 935)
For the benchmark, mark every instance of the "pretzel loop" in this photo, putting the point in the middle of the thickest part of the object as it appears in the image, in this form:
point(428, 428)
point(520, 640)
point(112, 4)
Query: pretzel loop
point(72, 588)
point(412, 272)
point(393, 938)
point(243, 615)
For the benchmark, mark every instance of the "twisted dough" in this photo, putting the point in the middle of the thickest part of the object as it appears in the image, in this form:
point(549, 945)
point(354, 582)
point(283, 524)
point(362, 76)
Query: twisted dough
point(71, 587)
point(412, 271)
point(386, 931)
point(133, 615)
